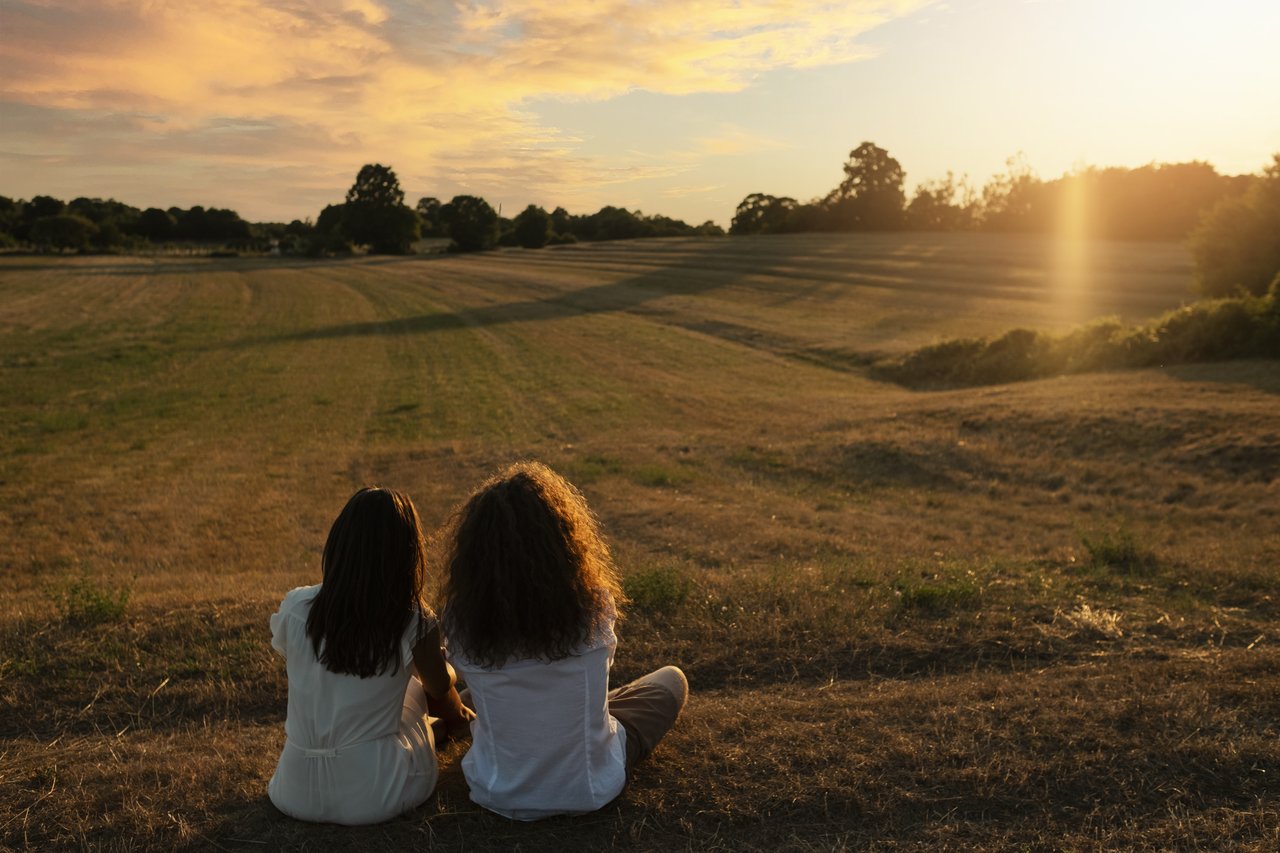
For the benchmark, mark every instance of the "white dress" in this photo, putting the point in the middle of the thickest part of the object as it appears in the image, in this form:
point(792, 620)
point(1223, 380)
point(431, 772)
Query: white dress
point(357, 750)
point(543, 742)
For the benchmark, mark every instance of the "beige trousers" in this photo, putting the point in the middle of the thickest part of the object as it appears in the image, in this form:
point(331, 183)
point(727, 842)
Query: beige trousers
point(647, 708)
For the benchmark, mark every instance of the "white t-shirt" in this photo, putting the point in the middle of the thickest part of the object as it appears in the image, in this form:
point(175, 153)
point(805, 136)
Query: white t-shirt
point(357, 750)
point(543, 742)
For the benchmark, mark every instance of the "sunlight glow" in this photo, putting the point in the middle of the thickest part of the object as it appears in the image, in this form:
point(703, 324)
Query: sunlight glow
point(1070, 278)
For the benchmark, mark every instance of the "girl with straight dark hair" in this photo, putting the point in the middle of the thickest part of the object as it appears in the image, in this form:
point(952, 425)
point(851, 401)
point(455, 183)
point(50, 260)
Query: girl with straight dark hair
point(366, 672)
point(528, 603)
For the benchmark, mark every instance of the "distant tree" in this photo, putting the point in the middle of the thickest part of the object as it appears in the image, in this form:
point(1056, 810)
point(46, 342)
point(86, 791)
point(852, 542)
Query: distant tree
point(709, 229)
point(613, 223)
point(102, 212)
point(376, 215)
point(870, 198)
point(944, 205)
point(43, 205)
point(62, 231)
point(1236, 247)
point(760, 213)
point(561, 221)
point(190, 222)
point(38, 207)
point(472, 223)
point(532, 227)
point(10, 215)
point(428, 210)
point(1015, 200)
point(225, 226)
point(155, 225)
point(329, 234)
point(1152, 202)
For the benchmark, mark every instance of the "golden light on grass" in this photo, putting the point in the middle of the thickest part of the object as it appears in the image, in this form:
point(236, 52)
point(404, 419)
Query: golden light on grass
point(1070, 277)
point(872, 588)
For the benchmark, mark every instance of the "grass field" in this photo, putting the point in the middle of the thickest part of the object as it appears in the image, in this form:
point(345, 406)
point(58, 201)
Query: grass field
point(1031, 616)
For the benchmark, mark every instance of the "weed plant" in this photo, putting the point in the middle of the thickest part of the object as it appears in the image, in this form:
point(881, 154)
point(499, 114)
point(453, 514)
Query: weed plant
point(84, 601)
point(1116, 549)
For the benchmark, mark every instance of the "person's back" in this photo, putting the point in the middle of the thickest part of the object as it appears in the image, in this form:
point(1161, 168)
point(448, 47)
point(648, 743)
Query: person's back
point(543, 742)
point(357, 750)
point(529, 601)
point(358, 741)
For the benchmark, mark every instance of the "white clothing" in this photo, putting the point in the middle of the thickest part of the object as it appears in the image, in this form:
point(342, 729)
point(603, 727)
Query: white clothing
point(543, 742)
point(357, 750)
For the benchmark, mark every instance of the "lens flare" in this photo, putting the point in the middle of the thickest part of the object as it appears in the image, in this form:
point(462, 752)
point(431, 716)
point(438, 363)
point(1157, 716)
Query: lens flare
point(1070, 277)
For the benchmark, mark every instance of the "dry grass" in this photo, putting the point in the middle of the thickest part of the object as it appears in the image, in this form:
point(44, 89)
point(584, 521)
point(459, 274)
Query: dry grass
point(1039, 616)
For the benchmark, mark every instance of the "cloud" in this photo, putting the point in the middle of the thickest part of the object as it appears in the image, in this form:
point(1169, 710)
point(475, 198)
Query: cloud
point(437, 88)
point(729, 140)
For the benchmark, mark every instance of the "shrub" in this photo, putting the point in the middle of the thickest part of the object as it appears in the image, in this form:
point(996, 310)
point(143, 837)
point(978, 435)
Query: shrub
point(1210, 330)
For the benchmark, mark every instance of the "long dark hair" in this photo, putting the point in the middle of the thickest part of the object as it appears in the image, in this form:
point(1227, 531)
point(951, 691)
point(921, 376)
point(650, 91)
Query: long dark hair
point(373, 567)
point(526, 572)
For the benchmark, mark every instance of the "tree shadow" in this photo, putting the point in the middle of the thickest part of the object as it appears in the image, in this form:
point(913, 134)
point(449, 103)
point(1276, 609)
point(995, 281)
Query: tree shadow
point(688, 275)
point(1260, 373)
point(203, 265)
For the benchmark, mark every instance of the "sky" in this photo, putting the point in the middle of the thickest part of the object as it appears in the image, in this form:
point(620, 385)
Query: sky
point(678, 107)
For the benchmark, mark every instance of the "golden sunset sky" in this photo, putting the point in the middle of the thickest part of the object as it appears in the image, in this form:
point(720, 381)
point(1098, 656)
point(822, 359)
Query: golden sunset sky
point(669, 106)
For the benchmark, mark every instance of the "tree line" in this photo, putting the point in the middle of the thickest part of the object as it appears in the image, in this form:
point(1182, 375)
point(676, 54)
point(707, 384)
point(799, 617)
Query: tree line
point(94, 224)
point(374, 215)
point(1230, 222)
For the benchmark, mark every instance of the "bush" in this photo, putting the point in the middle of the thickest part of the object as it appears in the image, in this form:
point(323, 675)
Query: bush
point(1210, 330)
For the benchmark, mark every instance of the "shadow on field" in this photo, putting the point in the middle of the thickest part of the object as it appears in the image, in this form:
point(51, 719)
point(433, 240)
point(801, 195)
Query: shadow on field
point(196, 264)
point(1260, 374)
point(689, 275)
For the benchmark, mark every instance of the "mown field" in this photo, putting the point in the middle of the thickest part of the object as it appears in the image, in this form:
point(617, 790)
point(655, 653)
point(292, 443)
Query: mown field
point(1032, 616)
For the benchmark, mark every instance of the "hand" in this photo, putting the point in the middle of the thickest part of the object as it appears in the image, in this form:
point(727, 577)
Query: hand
point(459, 727)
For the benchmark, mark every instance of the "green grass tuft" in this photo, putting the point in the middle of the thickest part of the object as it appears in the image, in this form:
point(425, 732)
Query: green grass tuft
point(659, 590)
point(1117, 549)
point(87, 601)
point(937, 597)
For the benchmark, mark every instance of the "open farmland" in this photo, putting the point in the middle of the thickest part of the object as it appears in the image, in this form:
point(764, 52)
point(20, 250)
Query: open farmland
point(1041, 615)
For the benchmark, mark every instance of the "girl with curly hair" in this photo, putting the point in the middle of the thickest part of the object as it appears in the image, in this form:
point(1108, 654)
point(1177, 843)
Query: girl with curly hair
point(529, 598)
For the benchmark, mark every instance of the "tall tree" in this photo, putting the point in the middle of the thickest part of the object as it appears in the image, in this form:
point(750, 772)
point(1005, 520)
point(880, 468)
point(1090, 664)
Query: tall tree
point(375, 213)
point(871, 196)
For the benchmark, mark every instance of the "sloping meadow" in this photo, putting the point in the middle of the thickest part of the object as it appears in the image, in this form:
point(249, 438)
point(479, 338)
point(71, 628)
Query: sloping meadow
point(1038, 615)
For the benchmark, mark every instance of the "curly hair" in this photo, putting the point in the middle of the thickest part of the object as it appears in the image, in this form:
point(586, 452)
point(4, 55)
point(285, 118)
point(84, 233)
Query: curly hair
point(374, 561)
point(526, 571)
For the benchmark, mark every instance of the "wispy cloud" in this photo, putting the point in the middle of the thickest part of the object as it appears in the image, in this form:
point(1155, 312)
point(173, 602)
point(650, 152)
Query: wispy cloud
point(439, 89)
